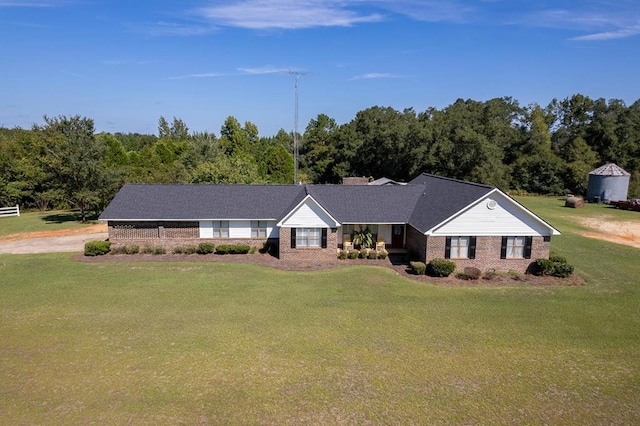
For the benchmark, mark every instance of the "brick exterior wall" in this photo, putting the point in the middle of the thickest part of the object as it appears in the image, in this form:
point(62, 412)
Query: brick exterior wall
point(173, 234)
point(170, 235)
point(304, 253)
point(487, 252)
point(416, 243)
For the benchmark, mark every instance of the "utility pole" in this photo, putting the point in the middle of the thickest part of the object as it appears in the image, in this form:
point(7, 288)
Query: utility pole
point(296, 75)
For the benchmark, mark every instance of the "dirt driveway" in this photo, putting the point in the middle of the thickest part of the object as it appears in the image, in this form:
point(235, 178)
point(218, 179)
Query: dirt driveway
point(627, 232)
point(66, 240)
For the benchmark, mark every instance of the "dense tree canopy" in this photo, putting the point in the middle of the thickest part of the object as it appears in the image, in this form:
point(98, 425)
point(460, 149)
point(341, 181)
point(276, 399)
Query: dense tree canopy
point(535, 149)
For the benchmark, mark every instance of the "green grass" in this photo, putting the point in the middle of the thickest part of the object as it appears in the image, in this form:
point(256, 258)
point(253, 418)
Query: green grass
point(564, 218)
point(41, 221)
point(199, 343)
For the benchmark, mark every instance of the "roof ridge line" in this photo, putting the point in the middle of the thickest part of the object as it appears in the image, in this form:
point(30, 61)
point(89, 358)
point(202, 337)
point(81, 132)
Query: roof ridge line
point(457, 180)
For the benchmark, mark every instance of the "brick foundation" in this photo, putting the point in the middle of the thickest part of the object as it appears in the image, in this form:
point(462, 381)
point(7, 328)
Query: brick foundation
point(173, 234)
point(308, 254)
point(487, 252)
point(170, 235)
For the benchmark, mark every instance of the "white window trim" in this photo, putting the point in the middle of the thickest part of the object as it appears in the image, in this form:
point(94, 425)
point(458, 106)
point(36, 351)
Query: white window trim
point(220, 229)
point(258, 229)
point(515, 247)
point(459, 250)
point(306, 241)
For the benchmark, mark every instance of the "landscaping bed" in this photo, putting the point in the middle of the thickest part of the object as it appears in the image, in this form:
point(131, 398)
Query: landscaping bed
point(397, 263)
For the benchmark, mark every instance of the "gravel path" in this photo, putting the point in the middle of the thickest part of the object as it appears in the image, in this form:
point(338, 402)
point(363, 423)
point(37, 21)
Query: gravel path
point(62, 243)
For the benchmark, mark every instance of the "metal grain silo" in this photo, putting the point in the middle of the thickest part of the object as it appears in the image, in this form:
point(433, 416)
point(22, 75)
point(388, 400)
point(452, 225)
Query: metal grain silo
point(608, 183)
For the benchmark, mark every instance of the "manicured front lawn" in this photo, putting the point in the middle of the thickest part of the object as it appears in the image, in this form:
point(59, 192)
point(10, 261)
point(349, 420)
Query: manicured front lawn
point(200, 343)
point(41, 221)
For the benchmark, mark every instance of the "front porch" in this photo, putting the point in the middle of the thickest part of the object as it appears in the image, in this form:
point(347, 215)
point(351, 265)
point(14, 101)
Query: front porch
point(380, 237)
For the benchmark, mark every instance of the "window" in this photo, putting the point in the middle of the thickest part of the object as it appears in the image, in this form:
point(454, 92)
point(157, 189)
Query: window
point(516, 248)
point(347, 233)
point(308, 237)
point(460, 248)
point(258, 229)
point(220, 229)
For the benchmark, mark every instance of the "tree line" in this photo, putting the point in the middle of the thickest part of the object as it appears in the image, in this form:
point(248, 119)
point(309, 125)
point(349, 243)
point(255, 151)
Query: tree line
point(533, 149)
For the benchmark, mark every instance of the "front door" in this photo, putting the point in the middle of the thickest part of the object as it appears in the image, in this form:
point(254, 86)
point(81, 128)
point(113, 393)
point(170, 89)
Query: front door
point(397, 236)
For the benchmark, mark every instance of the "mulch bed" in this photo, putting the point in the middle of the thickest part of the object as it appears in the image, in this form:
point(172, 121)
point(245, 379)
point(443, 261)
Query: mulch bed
point(396, 263)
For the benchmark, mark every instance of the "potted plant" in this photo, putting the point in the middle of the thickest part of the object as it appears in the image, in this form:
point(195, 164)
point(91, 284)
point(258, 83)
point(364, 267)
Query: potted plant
point(363, 238)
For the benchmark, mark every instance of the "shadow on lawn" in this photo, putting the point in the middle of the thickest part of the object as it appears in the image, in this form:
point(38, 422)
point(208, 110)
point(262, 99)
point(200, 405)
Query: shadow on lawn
point(65, 217)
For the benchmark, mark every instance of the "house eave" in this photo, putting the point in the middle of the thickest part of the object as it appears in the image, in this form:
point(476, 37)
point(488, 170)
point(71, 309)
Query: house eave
point(553, 231)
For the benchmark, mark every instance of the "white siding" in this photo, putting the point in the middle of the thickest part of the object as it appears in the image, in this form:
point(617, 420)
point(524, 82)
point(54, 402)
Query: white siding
point(507, 218)
point(239, 229)
point(272, 230)
point(310, 215)
point(384, 233)
point(206, 229)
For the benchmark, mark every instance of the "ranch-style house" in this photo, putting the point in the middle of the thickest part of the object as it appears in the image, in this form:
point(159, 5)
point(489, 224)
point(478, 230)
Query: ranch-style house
point(430, 216)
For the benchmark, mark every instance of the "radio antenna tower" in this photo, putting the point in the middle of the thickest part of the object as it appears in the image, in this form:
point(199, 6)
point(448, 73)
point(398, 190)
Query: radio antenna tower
point(296, 75)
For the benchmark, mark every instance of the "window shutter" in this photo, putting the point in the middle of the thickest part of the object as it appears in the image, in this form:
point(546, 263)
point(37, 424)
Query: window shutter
point(293, 237)
point(472, 247)
point(447, 248)
point(528, 242)
point(503, 248)
point(324, 237)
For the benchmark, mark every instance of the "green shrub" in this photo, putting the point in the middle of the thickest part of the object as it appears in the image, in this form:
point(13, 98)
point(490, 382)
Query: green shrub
point(490, 274)
point(96, 248)
point(440, 268)
point(233, 249)
point(563, 270)
point(205, 248)
point(342, 255)
point(363, 253)
point(470, 273)
point(353, 254)
point(555, 266)
point(190, 249)
point(382, 254)
point(418, 268)
point(153, 250)
point(268, 248)
point(158, 250)
point(372, 255)
point(253, 250)
point(128, 249)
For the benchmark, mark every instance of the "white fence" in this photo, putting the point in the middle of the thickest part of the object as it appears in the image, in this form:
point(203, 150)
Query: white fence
point(10, 211)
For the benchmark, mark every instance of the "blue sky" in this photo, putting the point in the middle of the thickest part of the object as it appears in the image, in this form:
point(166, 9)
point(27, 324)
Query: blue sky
point(126, 63)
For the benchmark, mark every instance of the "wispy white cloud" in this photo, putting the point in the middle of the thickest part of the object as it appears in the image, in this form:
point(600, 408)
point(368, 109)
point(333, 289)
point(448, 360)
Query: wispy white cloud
point(374, 75)
point(432, 10)
point(173, 29)
point(601, 20)
point(611, 35)
point(203, 75)
point(53, 3)
point(287, 14)
point(265, 70)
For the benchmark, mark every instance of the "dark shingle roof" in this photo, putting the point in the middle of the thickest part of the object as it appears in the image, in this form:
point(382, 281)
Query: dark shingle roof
point(367, 204)
point(191, 202)
point(441, 198)
point(423, 203)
